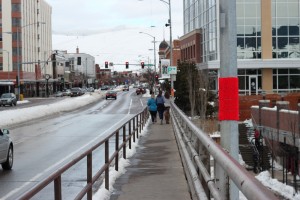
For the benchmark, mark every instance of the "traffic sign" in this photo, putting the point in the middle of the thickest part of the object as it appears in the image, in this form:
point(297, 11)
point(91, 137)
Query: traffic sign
point(172, 69)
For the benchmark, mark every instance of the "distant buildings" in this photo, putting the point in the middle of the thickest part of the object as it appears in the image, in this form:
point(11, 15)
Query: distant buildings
point(25, 38)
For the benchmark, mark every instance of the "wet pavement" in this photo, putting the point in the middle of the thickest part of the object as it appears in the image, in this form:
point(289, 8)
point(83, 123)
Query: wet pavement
point(156, 171)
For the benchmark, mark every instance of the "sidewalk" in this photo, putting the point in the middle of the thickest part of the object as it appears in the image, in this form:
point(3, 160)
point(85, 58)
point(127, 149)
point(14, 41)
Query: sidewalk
point(156, 171)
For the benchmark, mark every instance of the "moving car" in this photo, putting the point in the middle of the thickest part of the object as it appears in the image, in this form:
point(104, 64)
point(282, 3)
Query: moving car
point(140, 90)
point(125, 88)
point(6, 150)
point(111, 94)
point(8, 99)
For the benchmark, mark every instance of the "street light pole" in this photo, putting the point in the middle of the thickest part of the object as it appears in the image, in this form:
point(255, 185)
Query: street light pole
point(171, 42)
point(154, 59)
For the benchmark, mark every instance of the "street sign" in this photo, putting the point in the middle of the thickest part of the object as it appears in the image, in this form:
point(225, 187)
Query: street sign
point(172, 70)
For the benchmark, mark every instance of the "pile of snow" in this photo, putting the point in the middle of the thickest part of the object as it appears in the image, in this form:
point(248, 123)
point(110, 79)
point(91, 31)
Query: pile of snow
point(284, 190)
point(10, 117)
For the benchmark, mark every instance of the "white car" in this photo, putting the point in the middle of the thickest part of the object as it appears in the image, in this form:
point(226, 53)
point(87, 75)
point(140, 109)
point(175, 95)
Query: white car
point(6, 150)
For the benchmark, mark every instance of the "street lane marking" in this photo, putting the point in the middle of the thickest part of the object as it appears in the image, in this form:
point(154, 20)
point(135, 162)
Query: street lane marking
point(130, 106)
point(142, 102)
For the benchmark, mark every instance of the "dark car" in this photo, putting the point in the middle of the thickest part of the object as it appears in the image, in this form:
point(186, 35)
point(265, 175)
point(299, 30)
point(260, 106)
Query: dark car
point(8, 99)
point(6, 150)
point(140, 90)
point(105, 87)
point(111, 94)
point(76, 91)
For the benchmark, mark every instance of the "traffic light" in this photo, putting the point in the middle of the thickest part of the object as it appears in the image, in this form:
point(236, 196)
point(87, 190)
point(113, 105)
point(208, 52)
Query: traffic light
point(143, 65)
point(156, 78)
point(127, 65)
point(106, 64)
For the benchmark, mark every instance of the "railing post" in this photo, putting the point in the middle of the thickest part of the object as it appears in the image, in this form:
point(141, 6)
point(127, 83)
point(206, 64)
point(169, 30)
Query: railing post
point(107, 164)
point(139, 118)
point(130, 133)
point(134, 128)
point(124, 140)
point(117, 152)
point(57, 188)
point(89, 175)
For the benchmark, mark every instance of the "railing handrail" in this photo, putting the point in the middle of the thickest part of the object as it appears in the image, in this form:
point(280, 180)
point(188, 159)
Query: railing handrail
point(246, 182)
point(138, 120)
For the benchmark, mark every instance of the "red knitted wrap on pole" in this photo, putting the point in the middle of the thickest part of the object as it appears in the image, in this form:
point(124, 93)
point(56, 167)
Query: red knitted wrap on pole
point(228, 98)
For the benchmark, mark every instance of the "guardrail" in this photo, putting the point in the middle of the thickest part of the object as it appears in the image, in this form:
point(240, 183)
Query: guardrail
point(196, 149)
point(134, 125)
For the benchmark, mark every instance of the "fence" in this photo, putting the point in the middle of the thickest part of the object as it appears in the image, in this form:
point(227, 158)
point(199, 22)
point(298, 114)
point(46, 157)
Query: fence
point(134, 125)
point(197, 149)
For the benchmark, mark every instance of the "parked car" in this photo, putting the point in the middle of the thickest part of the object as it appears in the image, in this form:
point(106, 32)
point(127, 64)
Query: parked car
point(90, 89)
point(111, 94)
point(58, 94)
point(6, 150)
point(76, 91)
point(125, 88)
point(67, 92)
point(8, 99)
point(105, 87)
point(140, 90)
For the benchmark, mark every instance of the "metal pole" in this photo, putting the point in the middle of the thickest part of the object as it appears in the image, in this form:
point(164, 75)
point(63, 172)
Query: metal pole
point(86, 73)
point(18, 62)
point(171, 42)
point(228, 69)
point(154, 66)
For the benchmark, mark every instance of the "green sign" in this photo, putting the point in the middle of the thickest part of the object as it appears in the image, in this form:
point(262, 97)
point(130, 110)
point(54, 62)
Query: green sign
point(172, 69)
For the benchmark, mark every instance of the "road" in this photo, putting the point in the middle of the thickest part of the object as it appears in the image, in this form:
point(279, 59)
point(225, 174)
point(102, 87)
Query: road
point(41, 146)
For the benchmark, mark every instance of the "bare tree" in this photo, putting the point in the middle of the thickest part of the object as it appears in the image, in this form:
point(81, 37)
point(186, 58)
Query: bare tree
point(192, 82)
point(203, 83)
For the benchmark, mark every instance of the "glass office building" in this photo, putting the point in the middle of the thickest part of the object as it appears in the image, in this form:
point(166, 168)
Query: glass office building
point(268, 50)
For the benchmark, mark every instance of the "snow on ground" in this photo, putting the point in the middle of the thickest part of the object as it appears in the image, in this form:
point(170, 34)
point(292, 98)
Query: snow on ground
point(10, 117)
point(286, 191)
point(102, 193)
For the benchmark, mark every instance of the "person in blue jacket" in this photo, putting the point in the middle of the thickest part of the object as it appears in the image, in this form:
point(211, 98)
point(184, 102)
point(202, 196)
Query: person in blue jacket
point(152, 107)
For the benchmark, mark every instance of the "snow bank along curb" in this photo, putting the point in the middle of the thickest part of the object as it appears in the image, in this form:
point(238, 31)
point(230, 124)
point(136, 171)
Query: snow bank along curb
point(11, 117)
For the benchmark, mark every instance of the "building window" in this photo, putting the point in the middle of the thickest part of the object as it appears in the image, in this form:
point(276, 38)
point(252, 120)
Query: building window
point(16, 21)
point(16, 7)
point(285, 29)
point(1, 66)
point(248, 29)
point(286, 80)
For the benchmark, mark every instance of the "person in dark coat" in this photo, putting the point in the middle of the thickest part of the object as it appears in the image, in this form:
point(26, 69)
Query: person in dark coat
point(160, 101)
point(256, 137)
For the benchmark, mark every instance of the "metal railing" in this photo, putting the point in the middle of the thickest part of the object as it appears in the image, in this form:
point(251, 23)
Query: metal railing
point(135, 126)
point(196, 149)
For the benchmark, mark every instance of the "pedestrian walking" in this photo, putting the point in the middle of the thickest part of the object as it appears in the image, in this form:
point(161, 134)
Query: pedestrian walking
point(152, 107)
point(256, 137)
point(167, 107)
point(160, 101)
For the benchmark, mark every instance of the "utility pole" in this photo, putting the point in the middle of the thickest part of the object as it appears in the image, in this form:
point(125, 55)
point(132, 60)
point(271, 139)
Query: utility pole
point(228, 94)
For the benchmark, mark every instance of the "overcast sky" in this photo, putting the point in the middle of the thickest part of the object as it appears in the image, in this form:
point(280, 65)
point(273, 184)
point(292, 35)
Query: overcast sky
point(109, 29)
